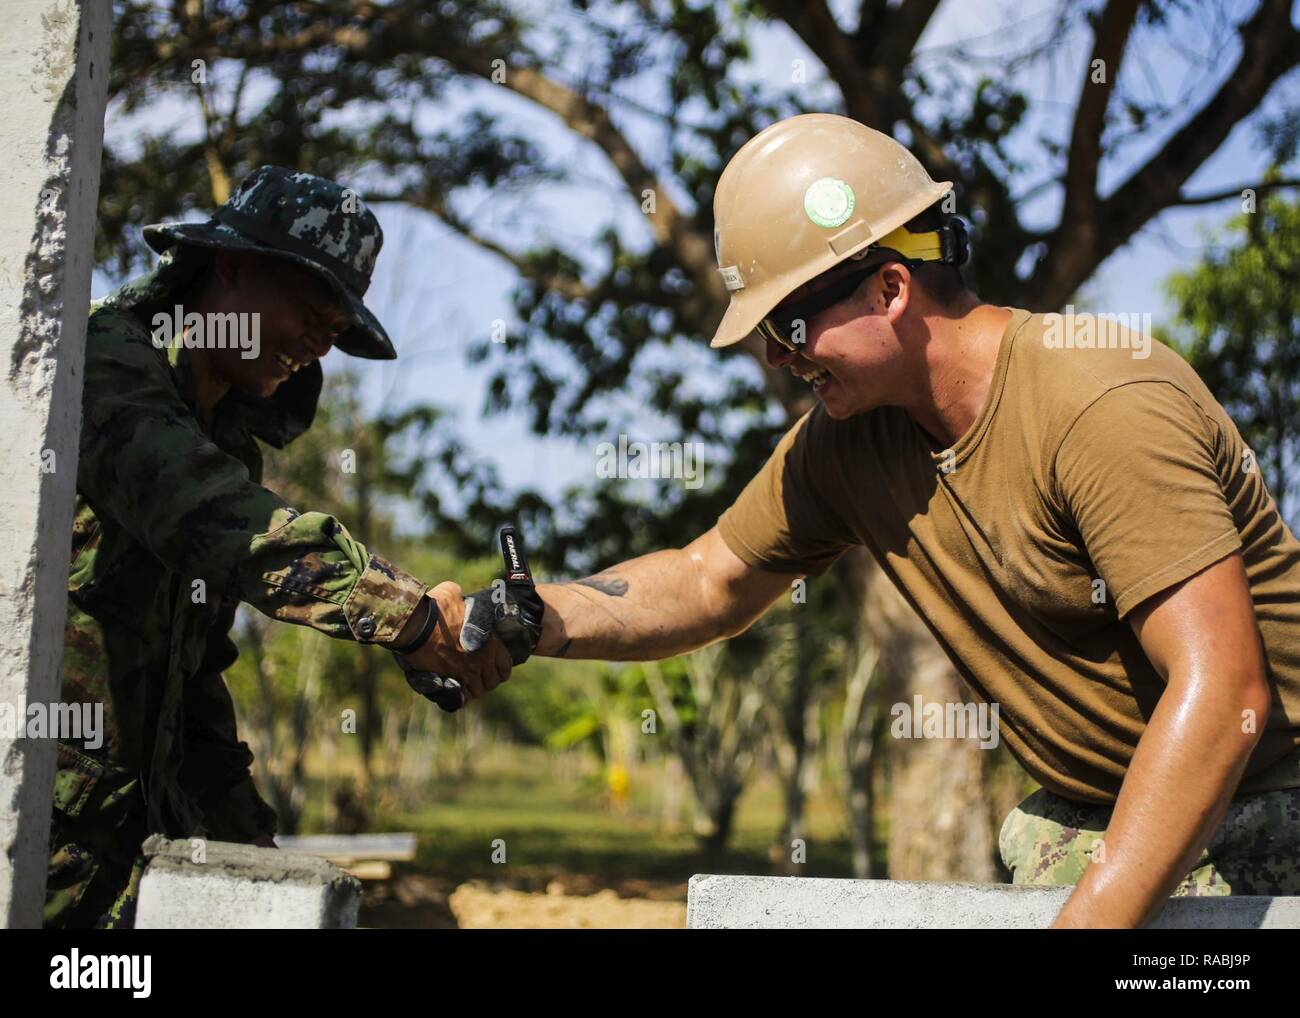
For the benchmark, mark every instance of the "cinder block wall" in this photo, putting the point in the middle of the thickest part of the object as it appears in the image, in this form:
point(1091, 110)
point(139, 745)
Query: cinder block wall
point(727, 902)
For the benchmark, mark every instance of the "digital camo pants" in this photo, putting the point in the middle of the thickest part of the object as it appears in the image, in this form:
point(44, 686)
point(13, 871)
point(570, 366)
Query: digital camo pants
point(1048, 839)
point(96, 828)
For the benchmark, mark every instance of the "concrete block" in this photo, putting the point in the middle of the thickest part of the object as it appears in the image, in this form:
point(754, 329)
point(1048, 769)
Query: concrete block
point(53, 86)
point(731, 902)
point(197, 884)
point(348, 848)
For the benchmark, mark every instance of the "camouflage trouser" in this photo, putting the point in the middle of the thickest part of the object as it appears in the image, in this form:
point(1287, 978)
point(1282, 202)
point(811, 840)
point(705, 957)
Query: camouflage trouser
point(1256, 850)
point(96, 829)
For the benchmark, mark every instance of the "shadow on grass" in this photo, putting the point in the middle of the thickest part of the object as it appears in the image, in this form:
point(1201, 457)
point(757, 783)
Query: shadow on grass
point(515, 823)
point(506, 834)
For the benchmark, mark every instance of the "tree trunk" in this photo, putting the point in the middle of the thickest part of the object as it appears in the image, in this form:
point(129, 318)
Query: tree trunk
point(792, 722)
point(718, 750)
point(939, 822)
point(858, 751)
point(306, 709)
point(367, 678)
point(369, 723)
point(713, 825)
point(857, 730)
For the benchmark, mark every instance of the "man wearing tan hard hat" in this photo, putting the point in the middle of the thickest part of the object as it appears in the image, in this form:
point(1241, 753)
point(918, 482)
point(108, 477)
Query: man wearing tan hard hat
point(1064, 503)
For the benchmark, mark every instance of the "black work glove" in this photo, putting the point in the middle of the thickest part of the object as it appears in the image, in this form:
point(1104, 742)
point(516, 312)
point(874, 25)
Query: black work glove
point(511, 608)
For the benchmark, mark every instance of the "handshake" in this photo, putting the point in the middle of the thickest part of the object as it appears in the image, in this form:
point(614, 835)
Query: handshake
point(453, 658)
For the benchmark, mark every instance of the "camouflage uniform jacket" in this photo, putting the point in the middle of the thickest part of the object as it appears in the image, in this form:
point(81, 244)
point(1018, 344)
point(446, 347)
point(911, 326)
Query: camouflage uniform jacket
point(167, 498)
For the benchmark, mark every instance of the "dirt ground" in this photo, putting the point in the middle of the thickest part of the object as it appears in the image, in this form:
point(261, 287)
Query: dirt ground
point(478, 907)
point(572, 902)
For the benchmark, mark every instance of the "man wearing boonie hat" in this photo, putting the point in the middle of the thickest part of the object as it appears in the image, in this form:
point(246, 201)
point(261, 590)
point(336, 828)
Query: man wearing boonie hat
point(187, 369)
point(1066, 505)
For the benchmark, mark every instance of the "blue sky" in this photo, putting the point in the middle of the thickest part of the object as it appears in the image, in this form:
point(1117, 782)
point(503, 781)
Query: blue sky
point(437, 293)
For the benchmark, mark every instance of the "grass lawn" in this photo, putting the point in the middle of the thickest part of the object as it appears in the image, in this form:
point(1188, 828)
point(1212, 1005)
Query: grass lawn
point(556, 820)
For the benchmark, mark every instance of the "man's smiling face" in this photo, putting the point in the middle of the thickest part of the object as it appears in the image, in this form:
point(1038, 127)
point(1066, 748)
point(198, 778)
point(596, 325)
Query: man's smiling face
point(299, 319)
point(849, 348)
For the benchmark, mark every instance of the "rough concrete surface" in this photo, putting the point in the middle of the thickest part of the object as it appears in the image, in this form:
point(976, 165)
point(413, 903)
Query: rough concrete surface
point(53, 84)
point(197, 884)
point(731, 902)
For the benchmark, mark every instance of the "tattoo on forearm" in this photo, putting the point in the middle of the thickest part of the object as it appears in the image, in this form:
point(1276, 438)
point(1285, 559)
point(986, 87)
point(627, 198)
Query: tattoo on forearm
point(614, 586)
point(599, 604)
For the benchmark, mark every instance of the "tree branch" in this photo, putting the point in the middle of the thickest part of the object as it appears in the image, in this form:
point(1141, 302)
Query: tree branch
point(812, 22)
point(1269, 43)
point(867, 66)
point(1078, 216)
point(906, 25)
point(387, 33)
point(568, 286)
point(1235, 192)
point(671, 226)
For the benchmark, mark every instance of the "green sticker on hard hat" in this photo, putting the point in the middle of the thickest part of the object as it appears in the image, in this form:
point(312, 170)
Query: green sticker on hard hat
point(829, 202)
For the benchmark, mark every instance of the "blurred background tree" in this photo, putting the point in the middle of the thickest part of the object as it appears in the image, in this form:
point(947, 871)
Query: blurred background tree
point(1238, 323)
point(612, 318)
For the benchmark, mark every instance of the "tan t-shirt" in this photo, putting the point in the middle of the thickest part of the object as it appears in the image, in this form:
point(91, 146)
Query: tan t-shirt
point(1084, 465)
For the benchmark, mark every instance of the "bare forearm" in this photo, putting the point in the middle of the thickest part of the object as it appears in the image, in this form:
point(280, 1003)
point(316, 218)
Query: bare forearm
point(644, 609)
point(656, 606)
point(1184, 774)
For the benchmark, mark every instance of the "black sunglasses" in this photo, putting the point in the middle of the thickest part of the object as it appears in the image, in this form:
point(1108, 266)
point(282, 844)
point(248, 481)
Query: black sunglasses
point(783, 323)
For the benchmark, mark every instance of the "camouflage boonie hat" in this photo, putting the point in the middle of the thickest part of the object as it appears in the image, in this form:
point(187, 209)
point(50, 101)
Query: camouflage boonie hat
point(305, 219)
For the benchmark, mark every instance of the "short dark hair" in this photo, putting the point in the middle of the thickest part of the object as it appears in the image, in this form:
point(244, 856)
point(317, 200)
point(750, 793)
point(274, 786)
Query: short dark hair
point(943, 283)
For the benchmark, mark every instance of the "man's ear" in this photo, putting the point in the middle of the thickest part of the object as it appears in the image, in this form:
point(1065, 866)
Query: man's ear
point(896, 284)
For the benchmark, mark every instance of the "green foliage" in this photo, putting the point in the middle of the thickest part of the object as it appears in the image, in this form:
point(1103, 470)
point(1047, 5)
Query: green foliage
point(1238, 313)
point(542, 698)
point(559, 824)
point(574, 732)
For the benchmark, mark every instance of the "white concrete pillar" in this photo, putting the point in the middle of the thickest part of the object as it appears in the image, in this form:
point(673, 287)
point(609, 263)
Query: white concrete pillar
point(53, 87)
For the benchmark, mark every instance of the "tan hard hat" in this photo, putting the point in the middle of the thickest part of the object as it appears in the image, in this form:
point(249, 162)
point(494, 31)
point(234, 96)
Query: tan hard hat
point(803, 195)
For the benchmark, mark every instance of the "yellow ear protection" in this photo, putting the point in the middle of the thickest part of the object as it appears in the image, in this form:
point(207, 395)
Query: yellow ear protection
point(948, 245)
